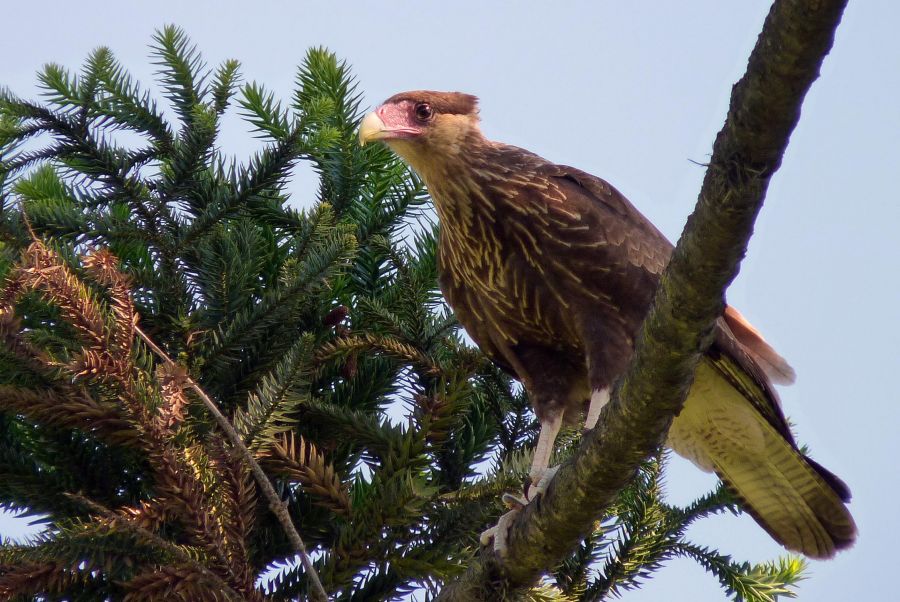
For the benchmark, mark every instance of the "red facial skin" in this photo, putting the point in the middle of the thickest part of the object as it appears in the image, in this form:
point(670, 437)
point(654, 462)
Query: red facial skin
point(399, 120)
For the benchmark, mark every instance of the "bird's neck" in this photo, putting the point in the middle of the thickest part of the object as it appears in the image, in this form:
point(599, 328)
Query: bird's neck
point(452, 169)
point(443, 156)
point(461, 186)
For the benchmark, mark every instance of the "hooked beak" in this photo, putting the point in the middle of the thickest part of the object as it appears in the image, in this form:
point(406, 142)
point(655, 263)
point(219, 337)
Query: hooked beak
point(372, 128)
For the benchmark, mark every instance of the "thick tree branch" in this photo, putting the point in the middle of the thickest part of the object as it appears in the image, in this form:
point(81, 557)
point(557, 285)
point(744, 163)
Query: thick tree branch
point(765, 108)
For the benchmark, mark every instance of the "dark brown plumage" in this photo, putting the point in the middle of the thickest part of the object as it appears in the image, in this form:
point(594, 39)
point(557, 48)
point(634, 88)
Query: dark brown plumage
point(551, 271)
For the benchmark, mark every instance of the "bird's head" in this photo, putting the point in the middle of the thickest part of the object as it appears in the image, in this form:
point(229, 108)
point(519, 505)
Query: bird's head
point(420, 126)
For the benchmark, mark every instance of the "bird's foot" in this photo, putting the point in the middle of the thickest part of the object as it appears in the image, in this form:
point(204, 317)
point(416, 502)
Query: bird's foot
point(539, 483)
point(534, 488)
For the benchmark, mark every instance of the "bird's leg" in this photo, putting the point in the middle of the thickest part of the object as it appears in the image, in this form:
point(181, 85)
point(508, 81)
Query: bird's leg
point(539, 471)
point(599, 399)
point(539, 478)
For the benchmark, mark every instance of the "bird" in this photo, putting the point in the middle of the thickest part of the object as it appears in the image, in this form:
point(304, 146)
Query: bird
point(551, 271)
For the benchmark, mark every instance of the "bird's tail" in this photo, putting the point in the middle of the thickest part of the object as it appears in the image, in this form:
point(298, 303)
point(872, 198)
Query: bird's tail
point(798, 502)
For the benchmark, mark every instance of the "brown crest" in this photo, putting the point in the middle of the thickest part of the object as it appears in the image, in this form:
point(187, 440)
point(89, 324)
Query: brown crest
point(457, 103)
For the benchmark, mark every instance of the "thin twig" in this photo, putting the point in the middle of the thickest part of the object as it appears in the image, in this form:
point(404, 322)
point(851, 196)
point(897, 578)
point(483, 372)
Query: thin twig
point(278, 507)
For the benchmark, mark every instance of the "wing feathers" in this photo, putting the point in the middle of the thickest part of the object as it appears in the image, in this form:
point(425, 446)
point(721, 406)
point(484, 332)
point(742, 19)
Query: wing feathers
point(775, 366)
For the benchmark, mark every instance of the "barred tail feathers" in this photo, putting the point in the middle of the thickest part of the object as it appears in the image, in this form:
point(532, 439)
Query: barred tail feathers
point(800, 504)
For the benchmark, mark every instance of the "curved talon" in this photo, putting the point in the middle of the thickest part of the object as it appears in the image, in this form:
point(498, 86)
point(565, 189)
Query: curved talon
point(487, 535)
point(539, 483)
point(534, 488)
point(515, 501)
point(541, 486)
point(500, 532)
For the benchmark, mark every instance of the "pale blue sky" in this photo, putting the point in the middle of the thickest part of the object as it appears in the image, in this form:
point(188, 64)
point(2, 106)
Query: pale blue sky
point(633, 92)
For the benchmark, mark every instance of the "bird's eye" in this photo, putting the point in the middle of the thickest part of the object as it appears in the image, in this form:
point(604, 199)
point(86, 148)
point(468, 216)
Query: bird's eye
point(424, 112)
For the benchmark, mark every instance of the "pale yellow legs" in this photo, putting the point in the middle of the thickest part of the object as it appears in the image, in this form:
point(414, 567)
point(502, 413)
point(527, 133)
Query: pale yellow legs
point(599, 399)
point(540, 475)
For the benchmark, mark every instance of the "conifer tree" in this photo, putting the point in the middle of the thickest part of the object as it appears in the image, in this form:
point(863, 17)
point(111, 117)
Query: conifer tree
point(319, 333)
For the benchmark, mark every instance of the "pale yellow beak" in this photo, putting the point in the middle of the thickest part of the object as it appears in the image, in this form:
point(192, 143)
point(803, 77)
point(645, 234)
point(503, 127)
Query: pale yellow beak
point(371, 128)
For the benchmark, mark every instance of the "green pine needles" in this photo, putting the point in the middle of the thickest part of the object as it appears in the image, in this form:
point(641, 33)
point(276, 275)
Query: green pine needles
point(320, 333)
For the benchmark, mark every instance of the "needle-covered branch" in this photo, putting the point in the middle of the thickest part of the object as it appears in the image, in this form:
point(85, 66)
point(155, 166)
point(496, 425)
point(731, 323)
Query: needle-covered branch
point(765, 108)
point(277, 507)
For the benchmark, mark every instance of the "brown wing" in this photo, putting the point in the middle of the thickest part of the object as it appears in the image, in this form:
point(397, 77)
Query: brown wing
point(616, 223)
point(586, 239)
point(798, 501)
point(733, 361)
point(623, 256)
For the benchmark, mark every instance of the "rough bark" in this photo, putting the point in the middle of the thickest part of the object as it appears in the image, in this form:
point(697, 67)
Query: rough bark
point(765, 108)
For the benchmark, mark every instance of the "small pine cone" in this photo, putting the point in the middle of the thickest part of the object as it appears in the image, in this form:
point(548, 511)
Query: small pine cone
point(336, 316)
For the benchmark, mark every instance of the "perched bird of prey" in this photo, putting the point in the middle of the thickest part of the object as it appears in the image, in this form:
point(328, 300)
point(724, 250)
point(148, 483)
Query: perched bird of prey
point(551, 271)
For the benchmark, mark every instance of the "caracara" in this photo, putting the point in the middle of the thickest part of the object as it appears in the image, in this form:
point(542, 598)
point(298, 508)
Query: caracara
point(551, 271)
